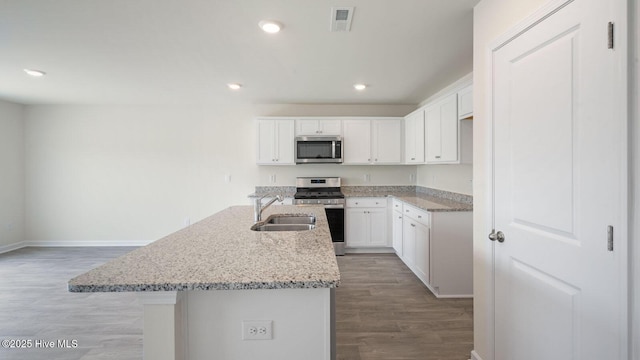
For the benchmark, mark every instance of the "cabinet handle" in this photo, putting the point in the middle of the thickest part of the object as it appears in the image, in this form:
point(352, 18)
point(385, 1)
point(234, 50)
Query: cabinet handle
point(368, 159)
point(414, 225)
point(419, 216)
point(376, 159)
point(357, 203)
point(413, 158)
point(399, 217)
point(438, 157)
point(406, 211)
point(377, 203)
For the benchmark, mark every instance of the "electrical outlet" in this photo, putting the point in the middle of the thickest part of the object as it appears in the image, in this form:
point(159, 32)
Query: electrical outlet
point(272, 178)
point(257, 330)
point(412, 177)
point(187, 221)
point(227, 178)
point(367, 177)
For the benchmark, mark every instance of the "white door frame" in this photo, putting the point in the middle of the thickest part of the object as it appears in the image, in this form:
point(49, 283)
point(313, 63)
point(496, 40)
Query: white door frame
point(635, 180)
point(620, 9)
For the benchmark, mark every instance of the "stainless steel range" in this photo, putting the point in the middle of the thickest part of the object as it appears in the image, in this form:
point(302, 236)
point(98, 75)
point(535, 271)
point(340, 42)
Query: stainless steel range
point(324, 191)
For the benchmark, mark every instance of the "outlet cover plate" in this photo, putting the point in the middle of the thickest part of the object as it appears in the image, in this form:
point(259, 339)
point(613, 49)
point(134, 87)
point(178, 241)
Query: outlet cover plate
point(257, 330)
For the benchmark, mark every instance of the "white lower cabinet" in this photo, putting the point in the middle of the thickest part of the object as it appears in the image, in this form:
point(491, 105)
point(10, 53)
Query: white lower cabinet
point(416, 236)
point(396, 234)
point(422, 252)
point(366, 223)
point(437, 247)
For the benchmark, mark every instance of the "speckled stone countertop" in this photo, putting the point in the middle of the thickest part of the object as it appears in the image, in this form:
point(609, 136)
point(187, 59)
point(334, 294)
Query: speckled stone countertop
point(222, 253)
point(423, 198)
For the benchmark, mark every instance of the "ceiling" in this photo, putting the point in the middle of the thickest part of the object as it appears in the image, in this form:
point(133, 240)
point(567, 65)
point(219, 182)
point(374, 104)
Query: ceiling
point(186, 51)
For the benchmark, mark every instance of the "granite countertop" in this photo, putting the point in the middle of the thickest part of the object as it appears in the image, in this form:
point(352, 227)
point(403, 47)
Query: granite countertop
point(429, 201)
point(222, 253)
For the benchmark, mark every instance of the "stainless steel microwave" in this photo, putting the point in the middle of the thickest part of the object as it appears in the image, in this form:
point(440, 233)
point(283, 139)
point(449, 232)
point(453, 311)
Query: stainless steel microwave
point(318, 149)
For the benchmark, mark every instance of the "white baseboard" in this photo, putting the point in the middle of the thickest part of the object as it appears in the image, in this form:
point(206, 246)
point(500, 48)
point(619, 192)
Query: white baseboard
point(11, 247)
point(23, 244)
point(475, 356)
point(370, 250)
point(87, 243)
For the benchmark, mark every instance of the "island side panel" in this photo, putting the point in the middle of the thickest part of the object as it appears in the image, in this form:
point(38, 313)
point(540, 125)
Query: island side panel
point(164, 332)
point(301, 324)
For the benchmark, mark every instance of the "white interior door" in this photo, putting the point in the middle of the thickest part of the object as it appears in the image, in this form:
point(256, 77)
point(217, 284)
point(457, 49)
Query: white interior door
point(559, 170)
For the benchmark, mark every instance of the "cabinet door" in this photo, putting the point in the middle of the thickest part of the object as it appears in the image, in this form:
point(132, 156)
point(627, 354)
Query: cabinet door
point(414, 138)
point(318, 127)
point(284, 142)
point(266, 141)
point(422, 251)
point(330, 127)
point(307, 127)
point(465, 103)
point(449, 129)
point(357, 223)
point(441, 131)
point(378, 227)
point(387, 142)
point(409, 242)
point(396, 224)
point(356, 147)
point(432, 133)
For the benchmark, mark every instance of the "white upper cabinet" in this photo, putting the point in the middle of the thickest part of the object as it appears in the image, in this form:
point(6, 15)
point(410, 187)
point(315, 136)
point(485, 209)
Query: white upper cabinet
point(414, 137)
point(386, 141)
point(377, 141)
point(275, 142)
point(465, 103)
point(356, 142)
point(328, 127)
point(441, 131)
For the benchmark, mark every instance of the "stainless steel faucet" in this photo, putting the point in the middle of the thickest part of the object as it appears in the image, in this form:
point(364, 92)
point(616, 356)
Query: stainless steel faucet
point(258, 208)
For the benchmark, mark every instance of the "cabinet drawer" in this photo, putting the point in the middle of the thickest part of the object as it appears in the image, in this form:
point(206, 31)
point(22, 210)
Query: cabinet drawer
point(416, 214)
point(366, 202)
point(397, 205)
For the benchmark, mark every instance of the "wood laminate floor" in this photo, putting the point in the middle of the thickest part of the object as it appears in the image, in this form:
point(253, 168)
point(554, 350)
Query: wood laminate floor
point(383, 311)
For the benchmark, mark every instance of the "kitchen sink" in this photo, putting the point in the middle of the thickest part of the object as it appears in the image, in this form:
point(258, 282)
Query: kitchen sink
point(291, 219)
point(282, 227)
point(286, 222)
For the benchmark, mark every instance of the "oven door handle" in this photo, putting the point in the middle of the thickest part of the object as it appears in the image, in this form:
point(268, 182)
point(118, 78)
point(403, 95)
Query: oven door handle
point(334, 206)
point(331, 206)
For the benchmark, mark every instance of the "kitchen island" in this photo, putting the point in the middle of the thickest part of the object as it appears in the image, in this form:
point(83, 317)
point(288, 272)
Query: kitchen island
point(205, 287)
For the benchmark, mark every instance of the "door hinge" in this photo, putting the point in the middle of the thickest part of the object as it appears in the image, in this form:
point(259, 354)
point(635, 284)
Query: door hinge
point(610, 238)
point(610, 35)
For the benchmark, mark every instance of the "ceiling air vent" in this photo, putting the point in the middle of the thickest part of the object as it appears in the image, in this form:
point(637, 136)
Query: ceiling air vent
point(341, 18)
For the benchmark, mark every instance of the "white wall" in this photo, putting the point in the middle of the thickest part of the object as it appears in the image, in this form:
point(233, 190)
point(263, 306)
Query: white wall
point(11, 175)
point(455, 178)
point(134, 173)
point(491, 19)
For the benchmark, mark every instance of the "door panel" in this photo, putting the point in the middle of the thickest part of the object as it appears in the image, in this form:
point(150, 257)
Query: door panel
point(543, 176)
point(557, 287)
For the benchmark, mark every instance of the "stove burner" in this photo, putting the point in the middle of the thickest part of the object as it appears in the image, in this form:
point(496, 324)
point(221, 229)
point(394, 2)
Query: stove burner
point(304, 194)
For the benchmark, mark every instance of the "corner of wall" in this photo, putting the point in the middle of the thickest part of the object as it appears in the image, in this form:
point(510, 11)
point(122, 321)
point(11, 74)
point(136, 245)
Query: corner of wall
point(12, 163)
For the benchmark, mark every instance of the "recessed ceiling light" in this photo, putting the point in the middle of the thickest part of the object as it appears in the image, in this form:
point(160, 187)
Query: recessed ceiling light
point(270, 26)
point(35, 73)
point(359, 87)
point(234, 86)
